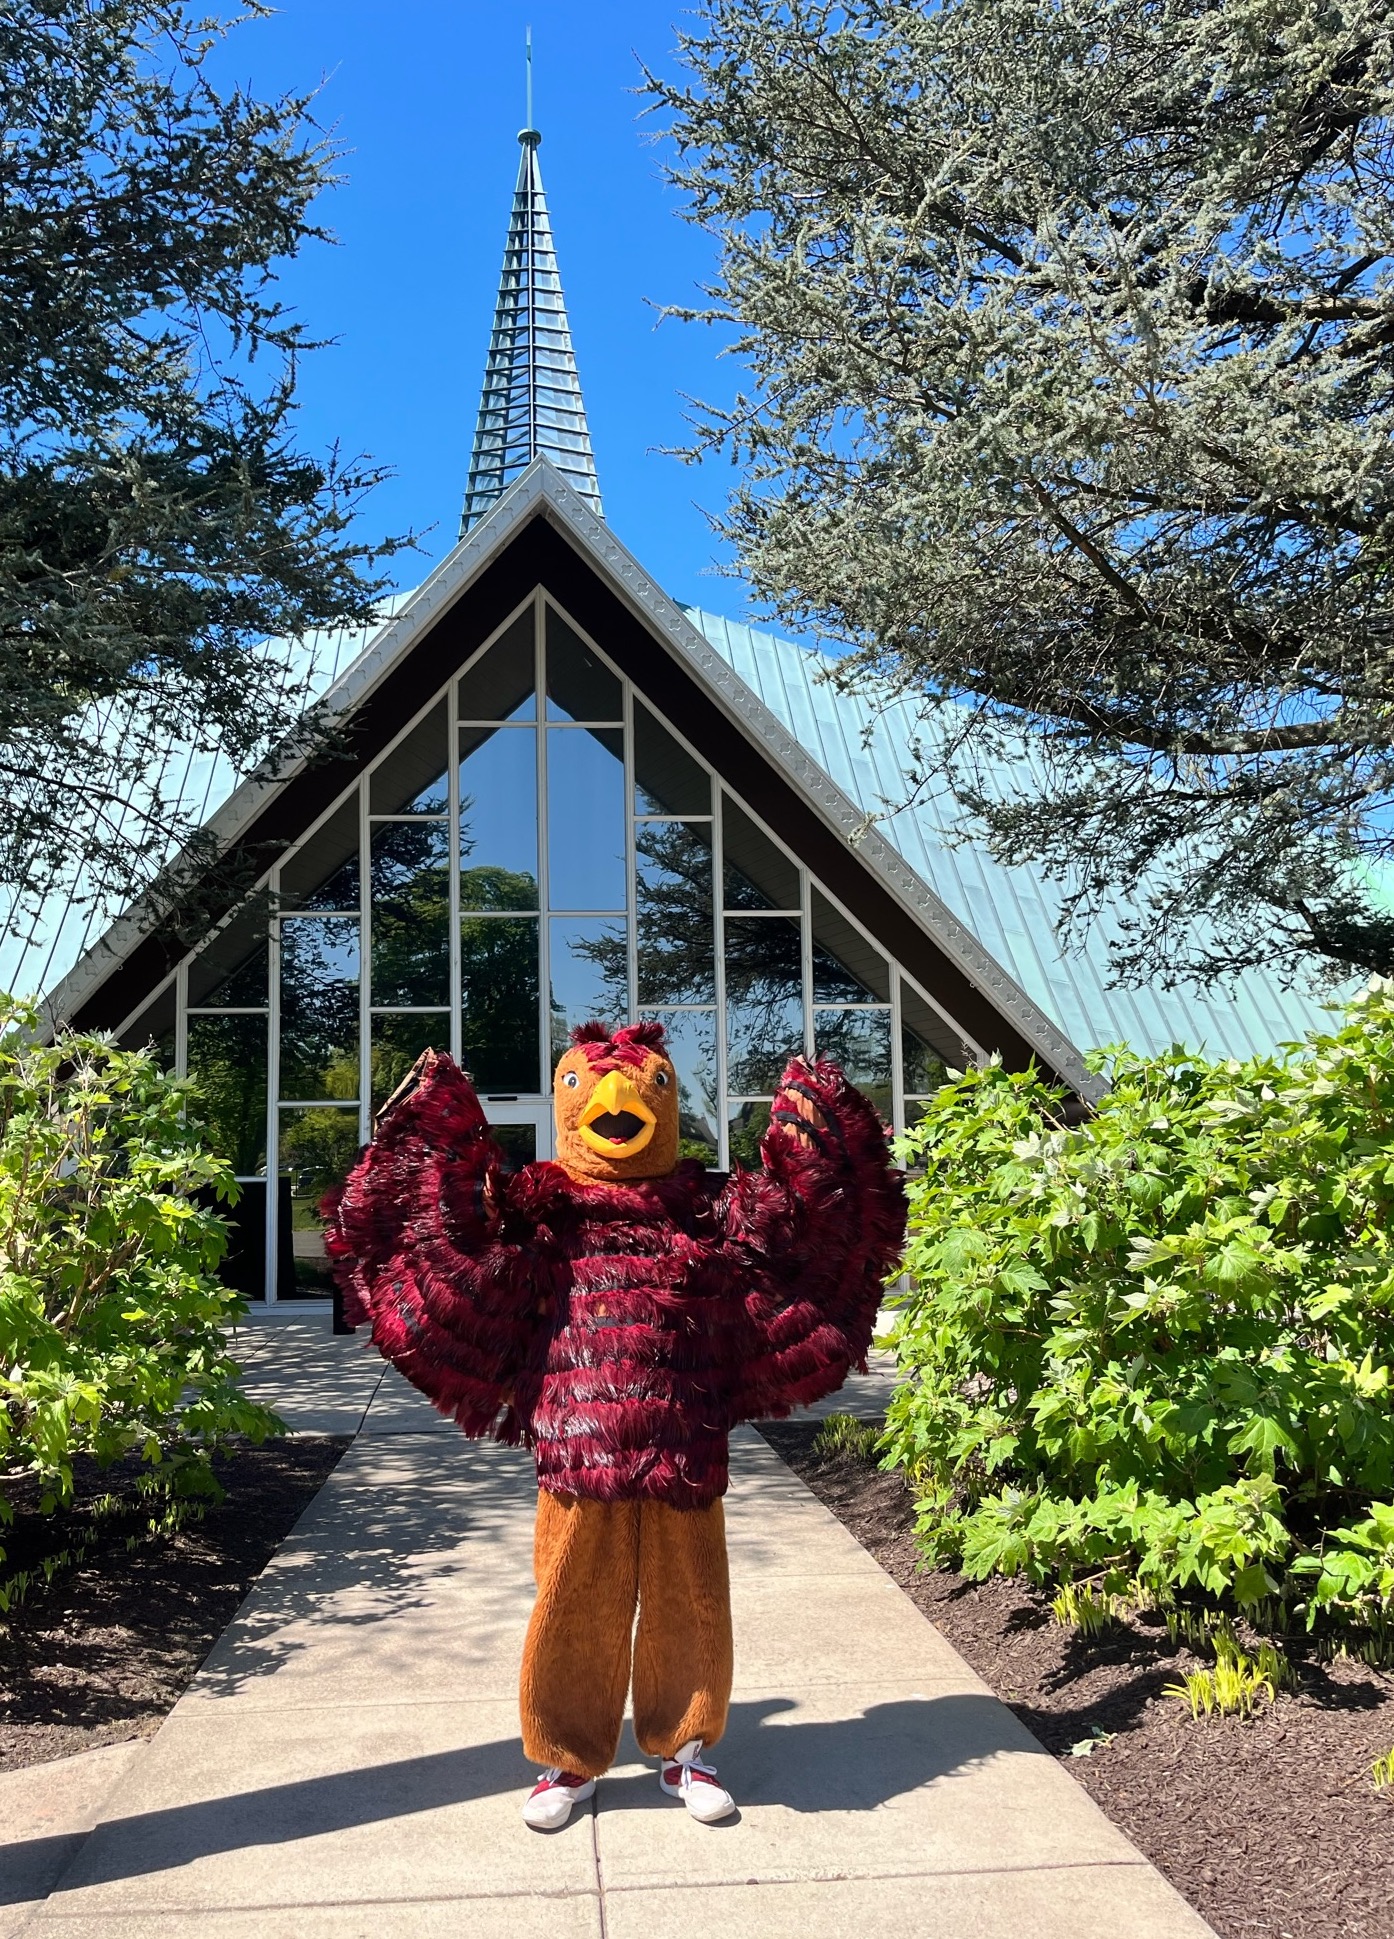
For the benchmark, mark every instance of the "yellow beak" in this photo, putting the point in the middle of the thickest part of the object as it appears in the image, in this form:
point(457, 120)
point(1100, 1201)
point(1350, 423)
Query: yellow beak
point(615, 1098)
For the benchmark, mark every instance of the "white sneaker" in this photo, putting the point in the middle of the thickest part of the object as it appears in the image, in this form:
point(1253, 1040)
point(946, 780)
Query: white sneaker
point(685, 1776)
point(549, 1802)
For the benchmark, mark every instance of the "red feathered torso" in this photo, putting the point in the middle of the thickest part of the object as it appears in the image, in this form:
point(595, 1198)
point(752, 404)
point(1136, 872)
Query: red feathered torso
point(630, 1387)
point(620, 1330)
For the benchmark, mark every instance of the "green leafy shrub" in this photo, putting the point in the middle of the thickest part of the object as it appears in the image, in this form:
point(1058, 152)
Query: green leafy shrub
point(1154, 1348)
point(112, 1318)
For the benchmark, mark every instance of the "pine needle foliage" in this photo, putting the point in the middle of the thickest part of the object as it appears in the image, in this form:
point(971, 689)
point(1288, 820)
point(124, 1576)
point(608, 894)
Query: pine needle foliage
point(1154, 1349)
point(1068, 337)
point(158, 522)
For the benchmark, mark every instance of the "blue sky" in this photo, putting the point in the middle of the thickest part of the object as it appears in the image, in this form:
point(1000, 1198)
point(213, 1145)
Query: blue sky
point(427, 98)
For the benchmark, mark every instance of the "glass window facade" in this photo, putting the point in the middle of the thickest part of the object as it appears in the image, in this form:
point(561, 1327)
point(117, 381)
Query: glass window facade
point(539, 848)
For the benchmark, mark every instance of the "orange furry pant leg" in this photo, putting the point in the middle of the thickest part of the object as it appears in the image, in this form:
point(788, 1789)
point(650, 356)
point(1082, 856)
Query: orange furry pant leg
point(595, 1563)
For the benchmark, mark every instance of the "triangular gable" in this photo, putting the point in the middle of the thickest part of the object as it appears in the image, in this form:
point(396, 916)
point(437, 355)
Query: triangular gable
point(542, 532)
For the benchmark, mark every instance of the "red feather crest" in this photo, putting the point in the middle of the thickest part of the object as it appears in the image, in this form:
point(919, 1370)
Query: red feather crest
point(629, 1045)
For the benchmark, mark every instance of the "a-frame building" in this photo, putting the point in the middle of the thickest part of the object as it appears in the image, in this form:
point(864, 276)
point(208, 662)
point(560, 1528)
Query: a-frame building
point(550, 798)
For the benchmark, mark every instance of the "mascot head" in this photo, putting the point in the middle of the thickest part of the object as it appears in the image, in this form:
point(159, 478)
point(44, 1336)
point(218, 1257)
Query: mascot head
point(616, 1100)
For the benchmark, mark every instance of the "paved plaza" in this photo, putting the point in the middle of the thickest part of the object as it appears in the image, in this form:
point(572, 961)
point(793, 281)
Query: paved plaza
point(346, 1765)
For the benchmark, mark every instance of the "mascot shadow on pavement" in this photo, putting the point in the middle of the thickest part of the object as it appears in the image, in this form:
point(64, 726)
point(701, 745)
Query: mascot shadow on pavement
point(619, 1311)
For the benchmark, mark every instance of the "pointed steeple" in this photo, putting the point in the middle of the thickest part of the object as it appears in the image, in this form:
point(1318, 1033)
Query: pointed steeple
point(531, 403)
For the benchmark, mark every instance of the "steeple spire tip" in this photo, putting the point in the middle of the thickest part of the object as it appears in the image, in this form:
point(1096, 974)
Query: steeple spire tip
point(531, 404)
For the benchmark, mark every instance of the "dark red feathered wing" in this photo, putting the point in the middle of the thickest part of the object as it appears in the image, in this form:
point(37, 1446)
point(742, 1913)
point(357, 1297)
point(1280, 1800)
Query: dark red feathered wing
point(821, 1225)
point(416, 1239)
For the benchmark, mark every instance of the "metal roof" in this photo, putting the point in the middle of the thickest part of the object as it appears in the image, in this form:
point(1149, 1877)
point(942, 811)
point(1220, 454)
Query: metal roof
point(41, 938)
point(531, 404)
point(861, 743)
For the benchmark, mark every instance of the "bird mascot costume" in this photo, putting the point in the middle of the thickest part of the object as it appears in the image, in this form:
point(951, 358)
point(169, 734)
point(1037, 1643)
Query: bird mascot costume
point(619, 1311)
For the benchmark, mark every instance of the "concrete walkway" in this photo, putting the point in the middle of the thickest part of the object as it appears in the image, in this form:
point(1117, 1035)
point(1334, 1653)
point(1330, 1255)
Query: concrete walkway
point(347, 1763)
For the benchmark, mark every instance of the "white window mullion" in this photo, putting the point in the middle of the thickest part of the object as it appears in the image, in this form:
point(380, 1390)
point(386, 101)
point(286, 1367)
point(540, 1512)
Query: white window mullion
point(806, 947)
point(897, 1063)
point(365, 942)
point(544, 932)
point(273, 1084)
point(452, 785)
point(181, 1019)
point(723, 1139)
point(631, 854)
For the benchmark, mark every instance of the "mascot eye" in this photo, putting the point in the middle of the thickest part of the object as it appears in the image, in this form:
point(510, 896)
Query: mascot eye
point(661, 1079)
point(571, 1080)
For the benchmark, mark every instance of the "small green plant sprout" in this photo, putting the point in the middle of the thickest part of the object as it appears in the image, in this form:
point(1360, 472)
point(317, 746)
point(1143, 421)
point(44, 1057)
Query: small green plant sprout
point(1091, 1611)
point(1197, 1691)
point(844, 1434)
point(1275, 1669)
point(1193, 1627)
point(1233, 1687)
point(1382, 1771)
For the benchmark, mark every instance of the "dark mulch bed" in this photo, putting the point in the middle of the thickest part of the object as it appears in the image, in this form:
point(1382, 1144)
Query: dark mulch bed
point(104, 1651)
point(1271, 1827)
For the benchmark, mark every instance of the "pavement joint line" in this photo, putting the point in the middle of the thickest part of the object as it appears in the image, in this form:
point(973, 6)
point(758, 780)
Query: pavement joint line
point(745, 1693)
point(321, 1904)
point(599, 1864)
point(848, 1877)
point(599, 1891)
point(382, 1374)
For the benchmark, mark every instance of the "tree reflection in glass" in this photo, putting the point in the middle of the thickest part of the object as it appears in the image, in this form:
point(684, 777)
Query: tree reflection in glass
point(764, 1000)
point(227, 1060)
point(676, 940)
point(517, 1142)
point(323, 872)
point(747, 1125)
point(691, 1037)
point(243, 989)
point(501, 999)
point(860, 1042)
point(498, 819)
point(396, 1044)
point(589, 974)
point(319, 1007)
point(410, 877)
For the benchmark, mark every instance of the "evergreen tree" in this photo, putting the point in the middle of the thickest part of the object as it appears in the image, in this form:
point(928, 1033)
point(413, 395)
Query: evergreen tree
point(157, 522)
point(1069, 327)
